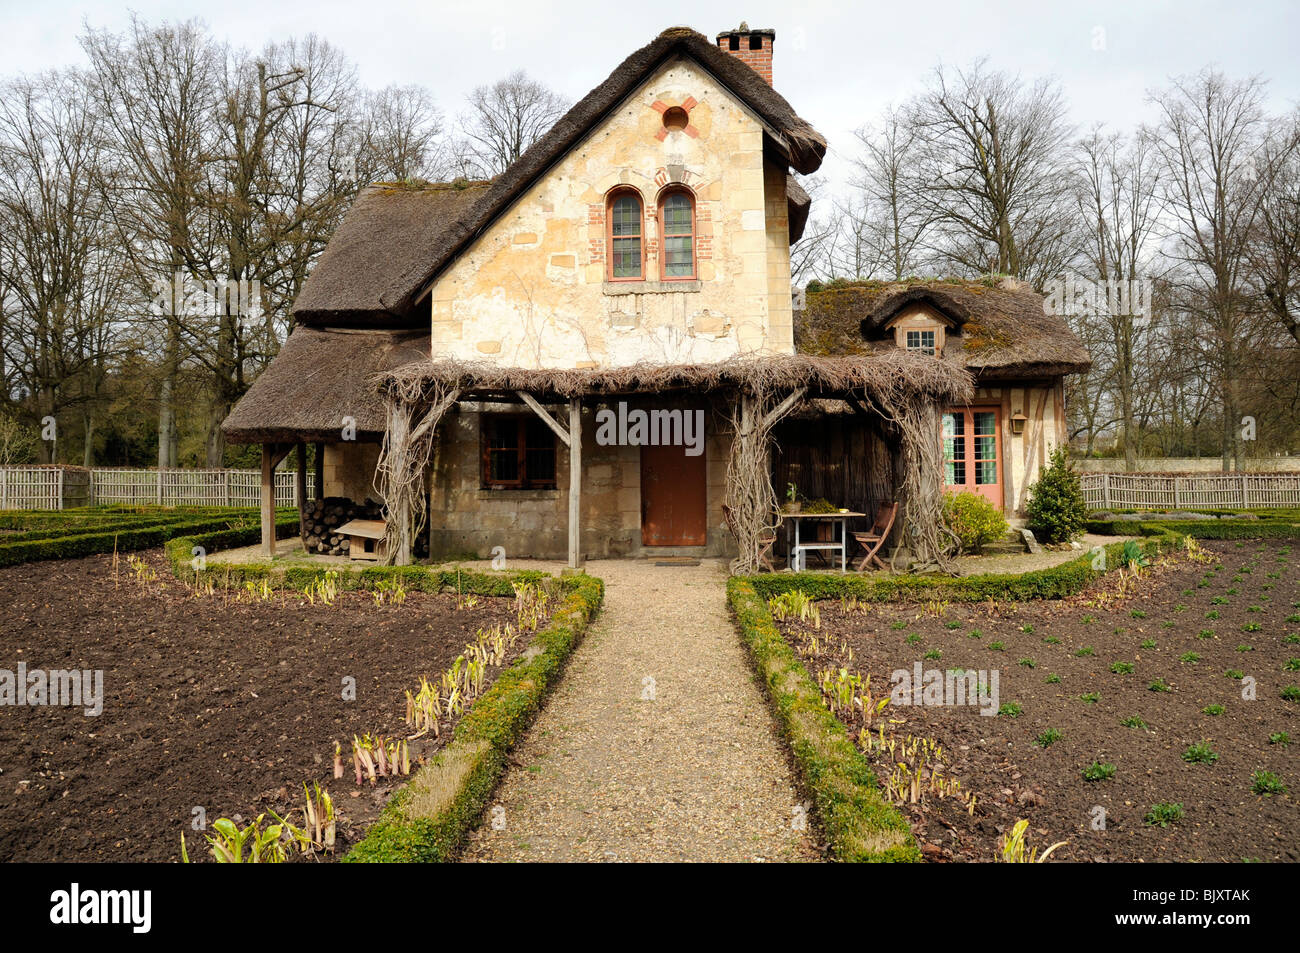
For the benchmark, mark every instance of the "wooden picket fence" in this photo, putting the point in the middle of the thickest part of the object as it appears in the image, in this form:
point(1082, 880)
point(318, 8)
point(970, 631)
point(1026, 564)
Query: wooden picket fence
point(1190, 491)
point(44, 488)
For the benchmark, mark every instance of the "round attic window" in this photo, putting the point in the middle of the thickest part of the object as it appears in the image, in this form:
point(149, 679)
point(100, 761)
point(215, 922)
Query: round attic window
point(675, 119)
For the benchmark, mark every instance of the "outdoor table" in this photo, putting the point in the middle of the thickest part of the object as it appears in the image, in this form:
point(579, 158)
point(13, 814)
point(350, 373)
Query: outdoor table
point(799, 549)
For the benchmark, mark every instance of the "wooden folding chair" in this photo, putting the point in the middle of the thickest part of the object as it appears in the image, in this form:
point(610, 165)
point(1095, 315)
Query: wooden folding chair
point(765, 541)
point(872, 540)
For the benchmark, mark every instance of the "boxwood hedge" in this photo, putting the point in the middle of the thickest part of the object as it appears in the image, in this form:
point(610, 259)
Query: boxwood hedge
point(428, 819)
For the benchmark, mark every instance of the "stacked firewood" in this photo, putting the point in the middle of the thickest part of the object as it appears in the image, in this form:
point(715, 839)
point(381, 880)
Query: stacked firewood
point(321, 520)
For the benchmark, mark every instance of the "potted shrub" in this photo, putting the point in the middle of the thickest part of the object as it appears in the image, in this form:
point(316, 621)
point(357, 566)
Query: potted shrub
point(792, 502)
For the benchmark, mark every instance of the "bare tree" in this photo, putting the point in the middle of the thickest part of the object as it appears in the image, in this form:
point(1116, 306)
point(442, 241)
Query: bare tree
point(1209, 143)
point(402, 129)
point(890, 214)
point(990, 171)
point(504, 119)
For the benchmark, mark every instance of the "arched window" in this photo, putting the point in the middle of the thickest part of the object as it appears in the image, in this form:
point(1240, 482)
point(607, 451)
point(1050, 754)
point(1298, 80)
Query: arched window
point(626, 248)
point(677, 235)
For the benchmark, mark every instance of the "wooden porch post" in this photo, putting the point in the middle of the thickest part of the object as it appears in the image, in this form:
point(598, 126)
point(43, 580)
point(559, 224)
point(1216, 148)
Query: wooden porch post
point(575, 482)
point(320, 471)
point(301, 483)
point(268, 500)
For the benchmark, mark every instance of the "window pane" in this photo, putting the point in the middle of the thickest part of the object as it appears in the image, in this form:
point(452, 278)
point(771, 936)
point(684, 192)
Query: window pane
point(627, 258)
point(986, 448)
point(677, 214)
point(677, 257)
point(539, 453)
point(625, 216)
point(954, 449)
point(921, 341)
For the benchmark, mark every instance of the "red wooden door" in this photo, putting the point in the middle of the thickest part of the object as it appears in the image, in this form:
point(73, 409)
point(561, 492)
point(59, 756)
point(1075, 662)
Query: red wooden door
point(972, 452)
point(673, 497)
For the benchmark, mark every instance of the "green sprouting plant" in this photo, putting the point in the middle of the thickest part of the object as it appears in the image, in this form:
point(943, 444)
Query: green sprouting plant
point(1088, 620)
point(1292, 638)
point(953, 624)
point(1133, 556)
point(1053, 680)
point(1013, 850)
point(1163, 814)
point(1251, 627)
point(1084, 652)
point(1148, 643)
point(996, 646)
point(253, 844)
point(1159, 685)
point(1122, 668)
point(975, 634)
point(1214, 710)
point(1133, 721)
point(1291, 665)
point(791, 604)
point(1180, 607)
point(1205, 634)
point(1027, 663)
point(1245, 647)
point(1236, 673)
point(1219, 601)
point(1137, 614)
point(1291, 693)
point(898, 625)
point(1051, 640)
point(1099, 771)
point(1027, 629)
point(1279, 738)
point(1090, 698)
point(933, 655)
point(1200, 753)
point(1047, 737)
point(1266, 783)
point(1189, 657)
point(1010, 709)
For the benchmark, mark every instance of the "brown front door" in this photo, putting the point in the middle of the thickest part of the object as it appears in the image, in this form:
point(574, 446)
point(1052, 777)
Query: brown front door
point(673, 503)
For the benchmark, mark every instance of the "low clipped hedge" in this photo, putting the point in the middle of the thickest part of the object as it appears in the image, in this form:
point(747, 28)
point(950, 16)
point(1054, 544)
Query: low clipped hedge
point(1263, 528)
point(859, 825)
point(427, 820)
point(88, 541)
point(1055, 582)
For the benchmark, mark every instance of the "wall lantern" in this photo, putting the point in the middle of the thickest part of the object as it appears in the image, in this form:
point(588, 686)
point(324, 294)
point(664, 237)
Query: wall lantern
point(1018, 421)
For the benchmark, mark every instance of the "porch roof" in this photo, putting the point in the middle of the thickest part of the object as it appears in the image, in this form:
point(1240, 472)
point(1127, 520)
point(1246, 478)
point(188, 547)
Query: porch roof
point(877, 375)
point(319, 378)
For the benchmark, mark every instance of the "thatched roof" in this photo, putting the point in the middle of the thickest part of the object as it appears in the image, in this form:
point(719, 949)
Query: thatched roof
point(1005, 330)
point(803, 145)
point(318, 378)
point(391, 230)
point(798, 202)
point(887, 372)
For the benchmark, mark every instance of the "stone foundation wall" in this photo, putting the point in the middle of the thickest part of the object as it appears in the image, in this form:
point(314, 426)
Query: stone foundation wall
point(467, 518)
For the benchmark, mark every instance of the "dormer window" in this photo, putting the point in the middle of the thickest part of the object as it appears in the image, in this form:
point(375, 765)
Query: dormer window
point(626, 248)
point(922, 341)
point(677, 228)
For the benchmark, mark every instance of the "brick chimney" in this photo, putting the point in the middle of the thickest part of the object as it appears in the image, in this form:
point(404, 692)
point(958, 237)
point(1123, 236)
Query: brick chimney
point(751, 47)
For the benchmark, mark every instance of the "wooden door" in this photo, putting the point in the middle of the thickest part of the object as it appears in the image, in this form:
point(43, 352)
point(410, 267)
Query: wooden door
point(673, 497)
point(972, 452)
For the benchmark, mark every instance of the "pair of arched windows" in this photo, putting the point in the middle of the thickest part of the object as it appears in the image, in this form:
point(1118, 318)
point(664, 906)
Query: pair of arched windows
point(625, 242)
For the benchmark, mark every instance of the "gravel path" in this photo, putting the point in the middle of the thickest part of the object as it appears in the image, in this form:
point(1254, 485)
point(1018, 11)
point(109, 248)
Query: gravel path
point(696, 773)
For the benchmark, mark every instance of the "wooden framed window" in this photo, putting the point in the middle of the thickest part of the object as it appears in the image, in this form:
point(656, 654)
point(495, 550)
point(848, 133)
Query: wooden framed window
point(922, 341)
point(677, 235)
point(518, 452)
point(625, 239)
point(972, 452)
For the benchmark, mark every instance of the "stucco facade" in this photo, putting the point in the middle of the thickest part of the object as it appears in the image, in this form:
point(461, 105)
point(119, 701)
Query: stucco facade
point(533, 289)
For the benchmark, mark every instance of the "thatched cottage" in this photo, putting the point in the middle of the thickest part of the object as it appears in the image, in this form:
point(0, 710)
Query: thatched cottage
point(597, 352)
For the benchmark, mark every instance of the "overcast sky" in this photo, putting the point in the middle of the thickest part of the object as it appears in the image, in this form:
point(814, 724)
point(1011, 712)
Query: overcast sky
point(839, 64)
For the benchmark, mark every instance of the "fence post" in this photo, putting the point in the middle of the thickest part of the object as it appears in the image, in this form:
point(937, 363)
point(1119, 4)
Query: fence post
point(225, 479)
point(59, 490)
point(1105, 491)
point(158, 495)
point(1176, 503)
point(4, 488)
point(1244, 502)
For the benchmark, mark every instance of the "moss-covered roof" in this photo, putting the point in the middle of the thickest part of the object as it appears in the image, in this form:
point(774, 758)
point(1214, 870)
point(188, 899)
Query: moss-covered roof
point(1001, 325)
